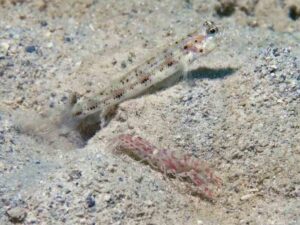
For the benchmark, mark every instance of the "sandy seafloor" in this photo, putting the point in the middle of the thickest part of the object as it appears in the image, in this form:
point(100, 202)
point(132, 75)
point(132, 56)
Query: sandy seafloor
point(239, 109)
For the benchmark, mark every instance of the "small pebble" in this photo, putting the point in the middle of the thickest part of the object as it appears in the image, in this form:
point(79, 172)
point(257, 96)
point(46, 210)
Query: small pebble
point(107, 198)
point(74, 175)
point(16, 215)
point(246, 197)
point(114, 62)
point(51, 105)
point(50, 45)
point(3, 49)
point(149, 203)
point(199, 222)
point(90, 201)
point(43, 23)
point(2, 167)
point(30, 49)
point(67, 39)
point(123, 65)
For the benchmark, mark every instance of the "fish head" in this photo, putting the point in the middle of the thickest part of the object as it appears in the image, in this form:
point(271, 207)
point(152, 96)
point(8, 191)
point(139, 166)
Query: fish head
point(202, 43)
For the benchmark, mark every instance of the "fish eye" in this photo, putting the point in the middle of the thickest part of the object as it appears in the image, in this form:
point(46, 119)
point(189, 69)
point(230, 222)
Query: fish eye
point(212, 31)
point(211, 27)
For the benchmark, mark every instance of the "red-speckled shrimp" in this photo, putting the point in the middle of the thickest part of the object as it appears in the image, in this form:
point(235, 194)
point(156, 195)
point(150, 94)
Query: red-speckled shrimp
point(183, 167)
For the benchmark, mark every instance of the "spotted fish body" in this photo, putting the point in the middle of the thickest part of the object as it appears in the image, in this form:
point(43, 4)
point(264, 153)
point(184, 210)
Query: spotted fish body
point(172, 60)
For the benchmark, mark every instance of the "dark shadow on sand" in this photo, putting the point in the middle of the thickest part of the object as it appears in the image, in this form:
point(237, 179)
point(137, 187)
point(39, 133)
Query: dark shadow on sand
point(203, 72)
point(199, 73)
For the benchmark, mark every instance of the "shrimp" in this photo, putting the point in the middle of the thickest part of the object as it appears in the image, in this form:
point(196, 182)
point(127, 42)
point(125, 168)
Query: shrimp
point(184, 167)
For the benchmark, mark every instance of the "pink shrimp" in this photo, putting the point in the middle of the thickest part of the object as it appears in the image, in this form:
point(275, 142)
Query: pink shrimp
point(184, 167)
